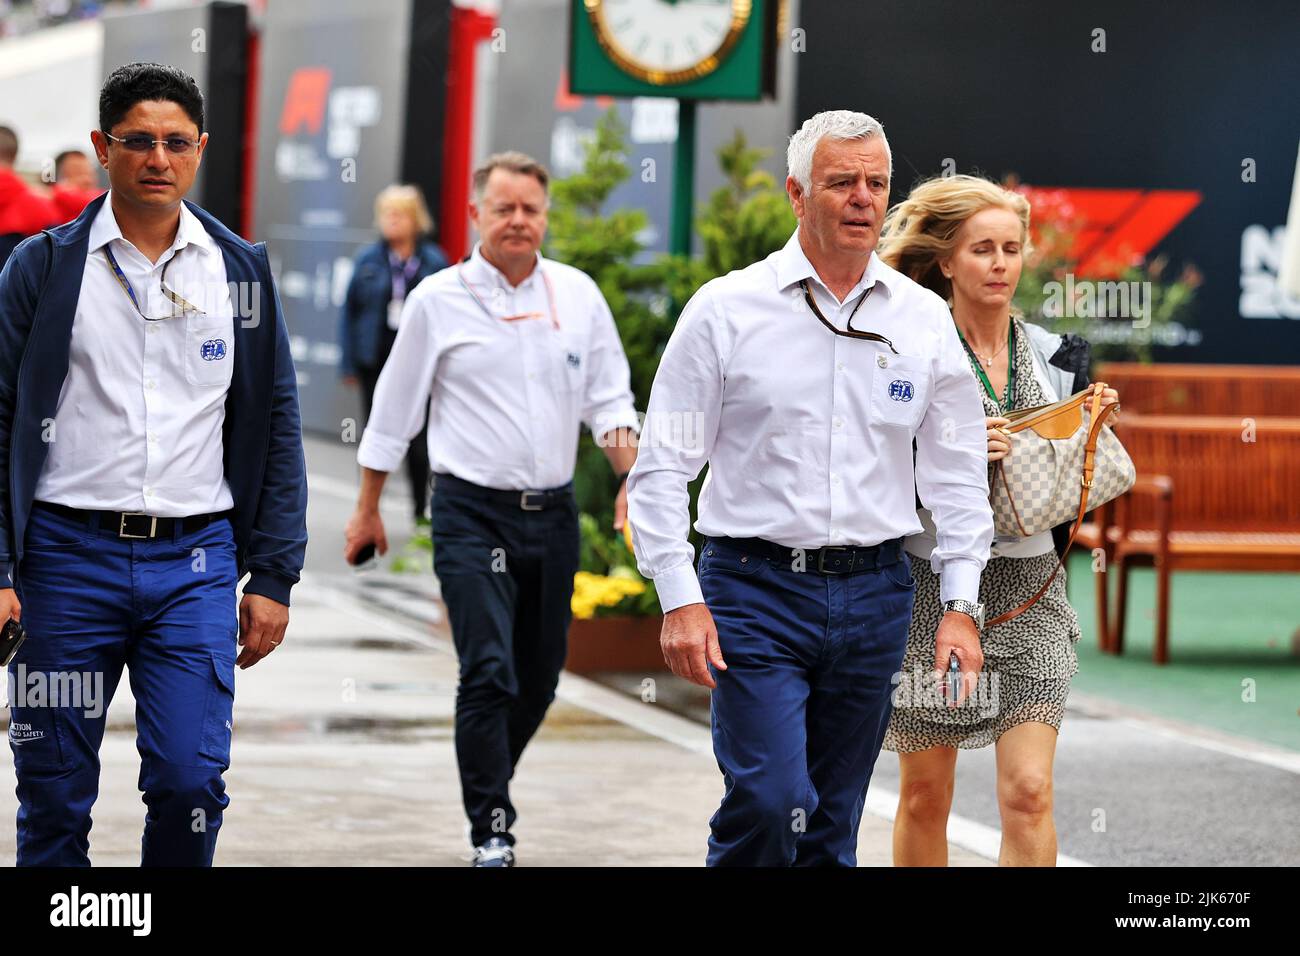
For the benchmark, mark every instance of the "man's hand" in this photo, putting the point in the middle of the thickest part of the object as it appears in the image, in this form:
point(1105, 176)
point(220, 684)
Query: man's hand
point(9, 605)
point(958, 634)
point(690, 643)
point(262, 623)
point(619, 446)
point(620, 508)
point(363, 528)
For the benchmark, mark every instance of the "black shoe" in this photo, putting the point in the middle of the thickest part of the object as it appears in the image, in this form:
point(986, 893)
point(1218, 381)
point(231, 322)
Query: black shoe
point(495, 852)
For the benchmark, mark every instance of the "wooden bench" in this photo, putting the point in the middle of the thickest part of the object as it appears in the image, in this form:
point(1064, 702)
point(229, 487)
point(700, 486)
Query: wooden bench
point(1208, 497)
point(1258, 390)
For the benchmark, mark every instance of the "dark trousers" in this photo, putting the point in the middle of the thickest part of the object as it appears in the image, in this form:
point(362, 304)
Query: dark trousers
point(163, 608)
point(507, 581)
point(801, 710)
point(417, 455)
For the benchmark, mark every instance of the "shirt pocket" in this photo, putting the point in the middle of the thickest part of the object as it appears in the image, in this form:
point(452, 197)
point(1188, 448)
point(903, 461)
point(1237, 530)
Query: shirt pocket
point(568, 362)
point(209, 351)
point(900, 391)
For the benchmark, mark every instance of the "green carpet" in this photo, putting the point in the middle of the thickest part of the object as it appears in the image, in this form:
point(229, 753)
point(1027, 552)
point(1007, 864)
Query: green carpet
point(1231, 635)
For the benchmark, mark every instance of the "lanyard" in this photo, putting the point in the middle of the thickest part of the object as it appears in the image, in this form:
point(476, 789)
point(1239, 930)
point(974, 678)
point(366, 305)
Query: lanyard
point(126, 287)
point(1009, 396)
point(848, 331)
point(401, 273)
point(550, 299)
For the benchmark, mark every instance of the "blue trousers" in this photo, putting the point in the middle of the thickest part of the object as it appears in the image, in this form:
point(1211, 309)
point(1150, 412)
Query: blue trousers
point(801, 710)
point(165, 608)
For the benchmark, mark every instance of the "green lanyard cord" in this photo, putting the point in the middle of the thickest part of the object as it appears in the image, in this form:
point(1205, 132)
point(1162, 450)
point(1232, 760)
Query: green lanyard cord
point(1009, 395)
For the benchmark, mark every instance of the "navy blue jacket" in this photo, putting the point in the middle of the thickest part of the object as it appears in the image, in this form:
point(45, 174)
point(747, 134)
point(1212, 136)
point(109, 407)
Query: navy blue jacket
point(365, 308)
point(262, 438)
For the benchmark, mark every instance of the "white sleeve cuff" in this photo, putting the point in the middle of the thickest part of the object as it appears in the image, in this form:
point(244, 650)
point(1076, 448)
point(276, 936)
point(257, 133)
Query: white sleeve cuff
point(678, 587)
point(380, 452)
point(604, 422)
point(959, 580)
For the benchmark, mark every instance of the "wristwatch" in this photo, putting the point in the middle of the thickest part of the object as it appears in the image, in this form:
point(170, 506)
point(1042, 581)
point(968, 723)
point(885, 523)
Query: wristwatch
point(976, 611)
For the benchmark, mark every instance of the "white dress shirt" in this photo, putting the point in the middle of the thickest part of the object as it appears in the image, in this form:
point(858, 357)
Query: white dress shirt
point(508, 374)
point(808, 435)
point(139, 419)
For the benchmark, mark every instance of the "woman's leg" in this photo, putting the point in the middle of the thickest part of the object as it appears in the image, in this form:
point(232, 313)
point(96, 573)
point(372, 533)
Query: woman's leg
point(924, 799)
point(1024, 758)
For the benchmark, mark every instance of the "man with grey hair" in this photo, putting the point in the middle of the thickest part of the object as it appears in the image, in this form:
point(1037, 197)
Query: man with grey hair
point(812, 374)
point(510, 352)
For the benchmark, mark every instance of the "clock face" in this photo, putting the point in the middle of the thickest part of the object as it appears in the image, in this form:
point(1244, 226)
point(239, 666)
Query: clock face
point(668, 41)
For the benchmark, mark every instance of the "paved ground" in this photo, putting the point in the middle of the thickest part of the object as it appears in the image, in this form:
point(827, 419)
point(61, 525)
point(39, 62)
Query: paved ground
point(343, 754)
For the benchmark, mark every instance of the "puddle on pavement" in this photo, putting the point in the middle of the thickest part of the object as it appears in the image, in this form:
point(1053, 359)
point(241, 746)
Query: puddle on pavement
point(563, 722)
point(360, 644)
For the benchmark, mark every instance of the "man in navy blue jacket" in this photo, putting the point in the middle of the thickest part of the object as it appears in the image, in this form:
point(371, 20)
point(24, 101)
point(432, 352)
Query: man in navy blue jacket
point(150, 438)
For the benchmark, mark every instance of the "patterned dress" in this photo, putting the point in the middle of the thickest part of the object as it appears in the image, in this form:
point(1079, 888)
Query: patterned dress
point(1028, 661)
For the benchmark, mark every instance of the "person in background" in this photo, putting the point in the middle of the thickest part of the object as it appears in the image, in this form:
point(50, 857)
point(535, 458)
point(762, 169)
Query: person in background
point(23, 212)
point(966, 239)
point(75, 184)
point(383, 275)
point(517, 351)
point(25, 208)
point(73, 168)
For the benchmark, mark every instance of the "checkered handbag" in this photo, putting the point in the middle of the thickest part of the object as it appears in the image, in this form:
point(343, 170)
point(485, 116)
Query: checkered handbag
point(1065, 462)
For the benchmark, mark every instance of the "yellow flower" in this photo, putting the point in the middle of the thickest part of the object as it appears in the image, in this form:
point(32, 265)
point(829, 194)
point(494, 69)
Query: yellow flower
point(591, 591)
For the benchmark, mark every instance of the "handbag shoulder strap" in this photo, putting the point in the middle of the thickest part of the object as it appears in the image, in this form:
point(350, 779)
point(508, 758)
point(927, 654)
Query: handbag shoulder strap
point(1099, 416)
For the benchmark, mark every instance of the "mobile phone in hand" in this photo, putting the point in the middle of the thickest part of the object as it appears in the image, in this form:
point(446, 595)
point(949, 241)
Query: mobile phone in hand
point(954, 679)
point(11, 638)
point(364, 556)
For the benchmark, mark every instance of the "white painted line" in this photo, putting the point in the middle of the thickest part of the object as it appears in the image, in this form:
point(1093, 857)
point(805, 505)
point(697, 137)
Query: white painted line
point(372, 614)
point(667, 726)
point(633, 712)
point(970, 835)
point(1202, 737)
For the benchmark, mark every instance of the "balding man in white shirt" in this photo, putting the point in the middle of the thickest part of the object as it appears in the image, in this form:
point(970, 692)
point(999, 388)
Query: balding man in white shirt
point(515, 351)
point(825, 391)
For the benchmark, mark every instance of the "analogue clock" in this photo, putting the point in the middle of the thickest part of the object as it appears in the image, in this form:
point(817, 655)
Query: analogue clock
point(668, 41)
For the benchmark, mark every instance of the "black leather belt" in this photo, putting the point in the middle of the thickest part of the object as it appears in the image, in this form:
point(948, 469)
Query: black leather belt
point(523, 500)
point(828, 560)
point(132, 524)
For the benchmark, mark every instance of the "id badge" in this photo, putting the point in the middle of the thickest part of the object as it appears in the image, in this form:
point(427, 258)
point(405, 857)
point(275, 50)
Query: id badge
point(395, 313)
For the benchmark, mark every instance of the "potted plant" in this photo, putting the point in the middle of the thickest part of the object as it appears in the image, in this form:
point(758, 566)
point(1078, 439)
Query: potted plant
point(616, 618)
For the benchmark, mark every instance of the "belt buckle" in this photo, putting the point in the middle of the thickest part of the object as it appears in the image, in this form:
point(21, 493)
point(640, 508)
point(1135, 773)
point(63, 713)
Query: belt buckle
point(821, 560)
point(153, 525)
point(523, 500)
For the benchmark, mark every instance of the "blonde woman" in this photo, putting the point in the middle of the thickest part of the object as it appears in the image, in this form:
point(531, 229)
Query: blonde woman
point(966, 239)
point(383, 274)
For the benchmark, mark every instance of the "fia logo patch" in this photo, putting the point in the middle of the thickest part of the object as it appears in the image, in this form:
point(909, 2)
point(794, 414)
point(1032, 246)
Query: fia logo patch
point(214, 350)
point(574, 360)
point(900, 390)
